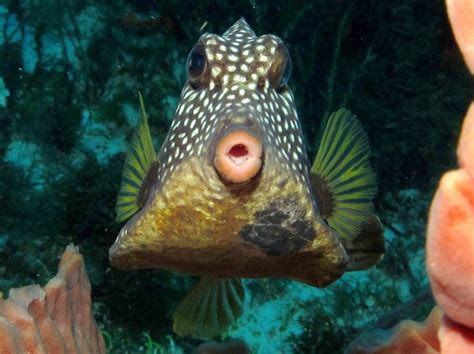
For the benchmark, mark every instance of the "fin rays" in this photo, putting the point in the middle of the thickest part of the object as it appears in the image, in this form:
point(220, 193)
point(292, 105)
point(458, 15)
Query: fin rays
point(211, 306)
point(138, 160)
point(342, 163)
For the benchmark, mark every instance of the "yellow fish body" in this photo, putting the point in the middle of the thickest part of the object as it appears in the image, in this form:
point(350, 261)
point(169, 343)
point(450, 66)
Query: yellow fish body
point(231, 193)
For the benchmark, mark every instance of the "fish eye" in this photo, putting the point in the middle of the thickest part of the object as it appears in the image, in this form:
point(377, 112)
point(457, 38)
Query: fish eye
point(197, 66)
point(280, 70)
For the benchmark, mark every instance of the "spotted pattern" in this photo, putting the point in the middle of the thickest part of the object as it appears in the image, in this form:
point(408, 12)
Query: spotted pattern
point(239, 63)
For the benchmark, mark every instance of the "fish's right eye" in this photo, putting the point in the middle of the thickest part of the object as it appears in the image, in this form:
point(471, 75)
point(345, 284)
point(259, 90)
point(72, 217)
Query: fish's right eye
point(197, 66)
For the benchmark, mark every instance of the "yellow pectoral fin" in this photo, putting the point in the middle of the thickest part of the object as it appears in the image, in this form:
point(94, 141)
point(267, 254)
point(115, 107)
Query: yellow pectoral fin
point(212, 305)
point(138, 161)
point(343, 179)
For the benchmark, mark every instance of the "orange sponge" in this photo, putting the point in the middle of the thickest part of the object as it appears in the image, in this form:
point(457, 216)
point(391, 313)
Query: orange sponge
point(461, 15)
point(450, 246)
point(54, 319)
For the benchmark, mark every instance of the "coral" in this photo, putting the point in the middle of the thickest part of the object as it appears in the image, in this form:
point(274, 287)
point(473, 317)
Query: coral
point(54, 319)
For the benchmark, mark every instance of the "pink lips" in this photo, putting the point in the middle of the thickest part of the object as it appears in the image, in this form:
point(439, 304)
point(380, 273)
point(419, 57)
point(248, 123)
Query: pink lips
point(238, 156)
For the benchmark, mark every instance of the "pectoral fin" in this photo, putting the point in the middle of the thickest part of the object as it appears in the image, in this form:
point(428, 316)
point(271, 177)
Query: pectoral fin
point(345, 184)
point(368, 247)
point(212, 305)
point(138, 161)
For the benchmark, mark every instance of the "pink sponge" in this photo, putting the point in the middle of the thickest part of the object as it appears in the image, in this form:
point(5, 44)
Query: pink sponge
point(450, 246)
point(54, 319)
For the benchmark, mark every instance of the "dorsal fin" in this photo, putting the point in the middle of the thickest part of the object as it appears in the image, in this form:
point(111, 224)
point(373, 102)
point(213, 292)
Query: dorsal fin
point(343, 179)
point(138, 161)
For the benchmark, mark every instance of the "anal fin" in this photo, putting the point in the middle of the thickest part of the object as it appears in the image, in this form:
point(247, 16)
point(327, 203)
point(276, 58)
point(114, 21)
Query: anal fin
point(212, 305)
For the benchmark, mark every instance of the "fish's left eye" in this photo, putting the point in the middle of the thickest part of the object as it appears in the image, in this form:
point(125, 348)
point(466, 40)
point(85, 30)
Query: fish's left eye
point(197, 66)
point(280, 70)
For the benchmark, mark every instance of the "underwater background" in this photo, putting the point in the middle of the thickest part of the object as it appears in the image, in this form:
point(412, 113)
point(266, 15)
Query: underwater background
point(70, 73)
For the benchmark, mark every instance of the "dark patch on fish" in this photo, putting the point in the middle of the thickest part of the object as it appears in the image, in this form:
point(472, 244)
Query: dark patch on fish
point(279, 229)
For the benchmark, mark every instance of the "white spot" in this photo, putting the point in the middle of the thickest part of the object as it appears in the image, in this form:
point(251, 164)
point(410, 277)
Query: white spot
point(240, 78)
point(252, 86)
point(216, 71)
point(249, 59)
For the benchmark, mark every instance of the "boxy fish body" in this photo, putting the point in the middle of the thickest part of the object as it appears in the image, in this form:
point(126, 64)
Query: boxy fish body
point(231, 195)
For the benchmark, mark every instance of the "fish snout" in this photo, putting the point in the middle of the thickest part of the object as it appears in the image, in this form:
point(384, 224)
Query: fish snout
point(238, 155)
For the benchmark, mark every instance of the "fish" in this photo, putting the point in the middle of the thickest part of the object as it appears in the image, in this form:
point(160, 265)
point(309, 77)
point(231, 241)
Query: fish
point(232, 194)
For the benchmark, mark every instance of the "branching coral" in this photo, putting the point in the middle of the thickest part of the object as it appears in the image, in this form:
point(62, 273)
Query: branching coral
point(54, 319)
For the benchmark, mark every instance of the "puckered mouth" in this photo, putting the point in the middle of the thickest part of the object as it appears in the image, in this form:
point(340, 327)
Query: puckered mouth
point(238, 156)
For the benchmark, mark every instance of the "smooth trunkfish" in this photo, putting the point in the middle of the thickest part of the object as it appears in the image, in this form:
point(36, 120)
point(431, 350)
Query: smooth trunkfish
point(231, 193)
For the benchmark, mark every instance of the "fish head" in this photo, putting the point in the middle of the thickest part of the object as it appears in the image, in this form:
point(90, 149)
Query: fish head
point(236, 108)
point(230, 193)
